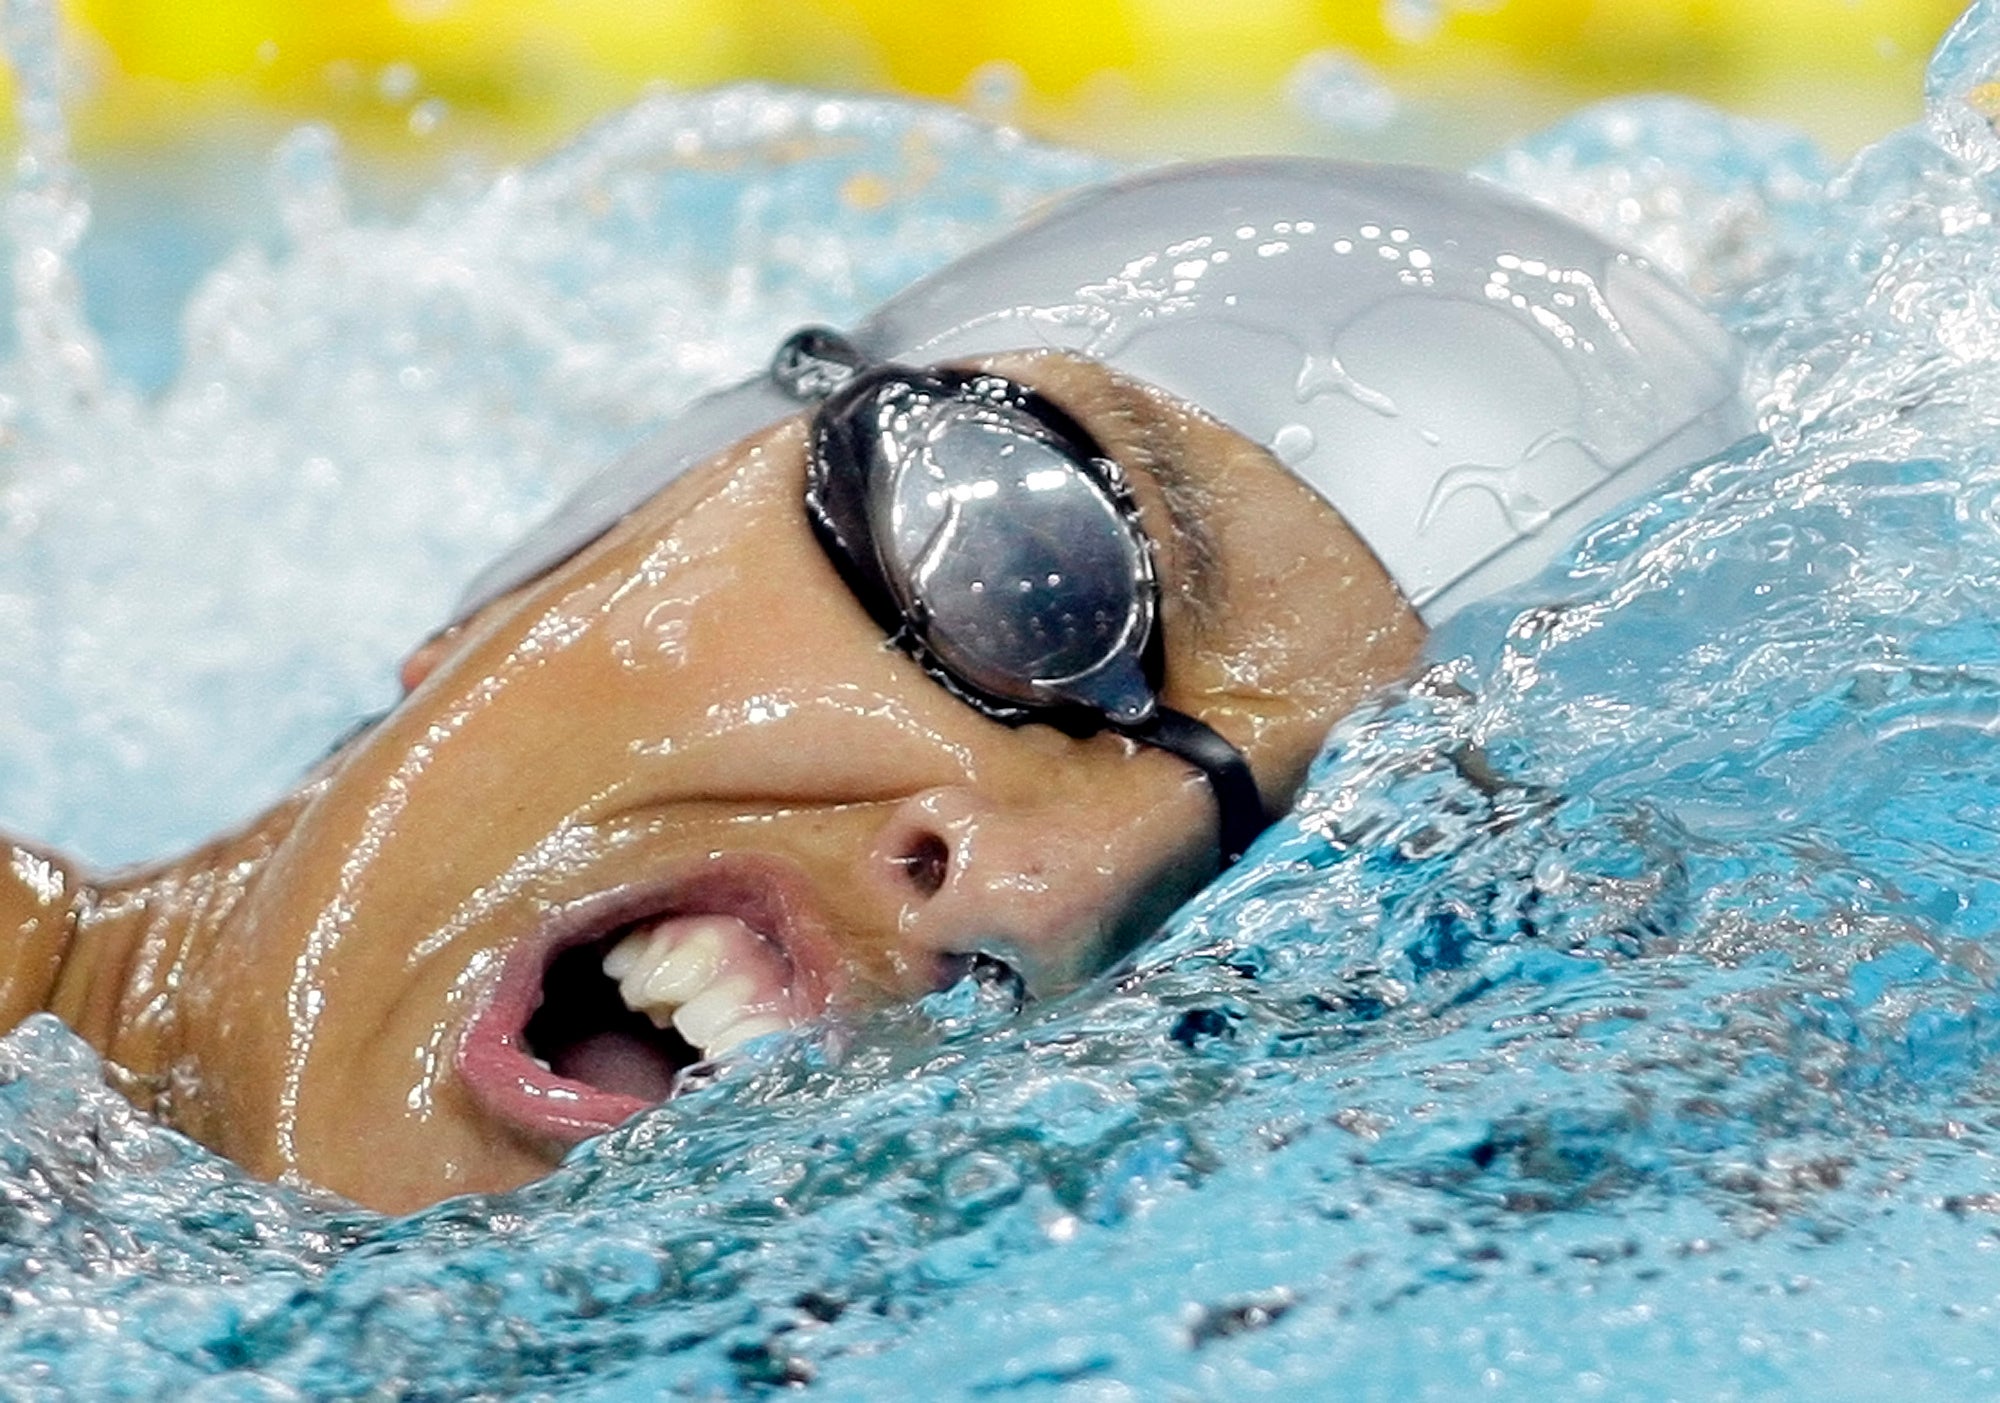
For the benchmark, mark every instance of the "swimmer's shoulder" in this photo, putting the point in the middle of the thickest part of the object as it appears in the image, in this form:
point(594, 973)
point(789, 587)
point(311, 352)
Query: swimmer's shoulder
point(39, 896)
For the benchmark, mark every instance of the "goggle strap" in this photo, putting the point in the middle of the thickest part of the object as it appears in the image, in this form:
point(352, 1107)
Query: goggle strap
point(1239, 807)
point(813, 362)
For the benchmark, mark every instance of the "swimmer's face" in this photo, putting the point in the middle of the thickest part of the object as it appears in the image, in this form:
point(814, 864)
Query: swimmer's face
point(689, 749)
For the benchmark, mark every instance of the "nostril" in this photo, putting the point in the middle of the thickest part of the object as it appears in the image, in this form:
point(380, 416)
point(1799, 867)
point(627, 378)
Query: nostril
point(923, 861)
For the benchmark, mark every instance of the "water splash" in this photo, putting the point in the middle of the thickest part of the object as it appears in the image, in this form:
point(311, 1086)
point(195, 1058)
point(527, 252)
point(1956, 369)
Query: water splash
point(1962, 89)
point(48, 211)
point(368, 411)
point(1338, 91)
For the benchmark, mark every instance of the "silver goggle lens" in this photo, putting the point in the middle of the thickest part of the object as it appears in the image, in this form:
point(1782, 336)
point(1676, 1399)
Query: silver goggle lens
point(1027, 578)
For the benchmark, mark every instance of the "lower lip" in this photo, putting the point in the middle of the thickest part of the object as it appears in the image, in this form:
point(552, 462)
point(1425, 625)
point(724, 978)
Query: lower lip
point(518, 1091)
point(515, 1088)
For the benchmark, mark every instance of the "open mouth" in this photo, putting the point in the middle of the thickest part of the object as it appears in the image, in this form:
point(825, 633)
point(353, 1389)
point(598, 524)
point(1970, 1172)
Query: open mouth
point(600, 1022)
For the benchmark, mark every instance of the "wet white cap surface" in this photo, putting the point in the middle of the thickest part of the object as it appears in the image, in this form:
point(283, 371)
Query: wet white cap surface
point(1467, 378)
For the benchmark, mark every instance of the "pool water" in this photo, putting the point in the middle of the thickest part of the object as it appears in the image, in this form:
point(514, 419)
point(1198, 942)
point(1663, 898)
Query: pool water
point(1617, 1016)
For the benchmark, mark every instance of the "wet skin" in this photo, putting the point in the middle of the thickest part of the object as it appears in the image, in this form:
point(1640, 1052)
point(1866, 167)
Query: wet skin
point(691, 718)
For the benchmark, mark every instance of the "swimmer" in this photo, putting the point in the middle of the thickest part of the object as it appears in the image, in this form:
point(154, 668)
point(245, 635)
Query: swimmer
point(980, 636)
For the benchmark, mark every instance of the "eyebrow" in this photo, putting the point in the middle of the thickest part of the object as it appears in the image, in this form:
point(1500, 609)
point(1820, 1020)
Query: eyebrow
point(1150, 444)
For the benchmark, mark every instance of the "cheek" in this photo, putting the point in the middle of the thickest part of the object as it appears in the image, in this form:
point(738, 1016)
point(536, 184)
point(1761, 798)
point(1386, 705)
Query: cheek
point(661, 635)
point(1284, 679)
point(736, 592)
point(762, 691)
point(1306, 625)
point(809, 744)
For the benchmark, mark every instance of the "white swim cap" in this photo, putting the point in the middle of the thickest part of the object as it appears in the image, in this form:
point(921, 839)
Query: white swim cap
point(1465, 377)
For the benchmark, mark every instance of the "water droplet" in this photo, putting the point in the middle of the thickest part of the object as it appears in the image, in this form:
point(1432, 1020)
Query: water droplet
point(1293, 444)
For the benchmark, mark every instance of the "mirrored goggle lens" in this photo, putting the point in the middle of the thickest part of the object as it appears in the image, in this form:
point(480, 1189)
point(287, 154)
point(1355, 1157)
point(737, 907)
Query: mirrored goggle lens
point(1031, 583)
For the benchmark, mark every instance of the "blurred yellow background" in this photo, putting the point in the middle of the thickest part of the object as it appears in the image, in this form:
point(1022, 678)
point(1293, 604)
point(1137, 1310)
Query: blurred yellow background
point(1131, 75)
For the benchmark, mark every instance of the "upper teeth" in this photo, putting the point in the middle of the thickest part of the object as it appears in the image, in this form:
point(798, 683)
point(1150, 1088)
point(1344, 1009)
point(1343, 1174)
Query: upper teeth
point(716, 980)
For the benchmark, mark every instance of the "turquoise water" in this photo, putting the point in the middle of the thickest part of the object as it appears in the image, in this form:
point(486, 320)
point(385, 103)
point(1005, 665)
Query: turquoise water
point(1617, 1017)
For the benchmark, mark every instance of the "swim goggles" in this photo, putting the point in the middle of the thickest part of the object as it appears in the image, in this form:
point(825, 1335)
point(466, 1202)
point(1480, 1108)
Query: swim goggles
point(997, 544)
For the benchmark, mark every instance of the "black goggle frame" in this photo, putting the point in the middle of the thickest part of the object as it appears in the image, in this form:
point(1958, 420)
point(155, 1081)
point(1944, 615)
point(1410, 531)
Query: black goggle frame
point(854, 398)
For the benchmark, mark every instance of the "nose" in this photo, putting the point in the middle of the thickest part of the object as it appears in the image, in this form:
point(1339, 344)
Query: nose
point(1057, 890)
